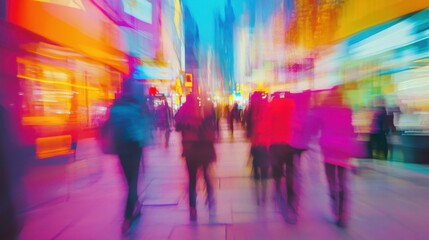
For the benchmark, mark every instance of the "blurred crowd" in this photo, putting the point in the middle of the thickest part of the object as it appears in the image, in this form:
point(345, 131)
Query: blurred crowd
point(279, 127)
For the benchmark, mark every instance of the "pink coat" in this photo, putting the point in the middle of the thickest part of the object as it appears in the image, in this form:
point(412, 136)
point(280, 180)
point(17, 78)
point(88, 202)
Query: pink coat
point(279, 118)
point(337, 137)
point(261, 127)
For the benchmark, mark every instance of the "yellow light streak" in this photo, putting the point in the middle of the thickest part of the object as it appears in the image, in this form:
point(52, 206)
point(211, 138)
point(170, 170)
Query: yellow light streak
point(56, 82)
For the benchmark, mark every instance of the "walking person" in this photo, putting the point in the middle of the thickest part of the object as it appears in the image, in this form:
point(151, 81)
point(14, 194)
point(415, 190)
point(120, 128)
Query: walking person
point(302, 124)
point(383, 125)
point(233, 117)
point(259, 136)
point(338, 144)
point(280, 119)
point(197, 125)
point(130, 134)
point(218, 117)
point(164, 120)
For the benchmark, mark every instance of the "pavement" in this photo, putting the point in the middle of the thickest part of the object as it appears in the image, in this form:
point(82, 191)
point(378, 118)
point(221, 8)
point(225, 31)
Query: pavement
point(387, 200)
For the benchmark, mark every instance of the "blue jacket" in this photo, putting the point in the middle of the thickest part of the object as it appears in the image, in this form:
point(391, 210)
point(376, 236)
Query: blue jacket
point(129, 122)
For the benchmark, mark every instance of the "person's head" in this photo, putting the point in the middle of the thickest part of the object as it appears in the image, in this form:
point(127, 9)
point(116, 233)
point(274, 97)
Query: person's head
point(128, 88)
point(334, 97)
point(132, 63)
point(131, 89)
point(191, 98)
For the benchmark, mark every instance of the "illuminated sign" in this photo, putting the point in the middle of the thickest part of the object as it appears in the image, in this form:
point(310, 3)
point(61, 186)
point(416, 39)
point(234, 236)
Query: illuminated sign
point(188, 80)
point(153, 91)
point(153, 72)
point(66, 24)
point(140, 9)
point(178, 87)
point(178, 17)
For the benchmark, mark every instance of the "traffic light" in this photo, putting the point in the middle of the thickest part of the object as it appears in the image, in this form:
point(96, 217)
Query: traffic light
point(153, 91)
point(188, 80)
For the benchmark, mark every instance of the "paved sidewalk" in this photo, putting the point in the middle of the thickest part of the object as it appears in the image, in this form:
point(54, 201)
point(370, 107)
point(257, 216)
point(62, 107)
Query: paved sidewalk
point(383, 206)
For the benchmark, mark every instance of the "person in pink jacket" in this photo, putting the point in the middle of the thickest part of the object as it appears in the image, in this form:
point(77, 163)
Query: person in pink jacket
point(280, 118)
point(338, 144)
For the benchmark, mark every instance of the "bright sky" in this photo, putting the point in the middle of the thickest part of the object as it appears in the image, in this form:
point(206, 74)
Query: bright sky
point(204, 12)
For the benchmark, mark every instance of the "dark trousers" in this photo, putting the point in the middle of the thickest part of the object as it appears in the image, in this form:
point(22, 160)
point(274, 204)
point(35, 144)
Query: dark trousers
point(283, 155)
point(193, 165)
point(130, 154)
point(260, 162)
point(378, 145)
point(337, 183)
point(231, 124)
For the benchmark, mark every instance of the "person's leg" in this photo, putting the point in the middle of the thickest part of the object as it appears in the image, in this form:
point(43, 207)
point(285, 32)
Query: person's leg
point(137, 160)
point(372, 145)
point(264, 166)
point(167, 136)
point(381, 144)
point(330, 171)
point(296, 161)
point(209, 185)
point(130, 155)
point(330, 176)
point(277, 171)
point(192, 173)
point(231, 125)
point(342, 195)
point(291, 210)
point(130, 161)
point(290, 181)
point(384, 145)
point(258, 172)
point(255, 163)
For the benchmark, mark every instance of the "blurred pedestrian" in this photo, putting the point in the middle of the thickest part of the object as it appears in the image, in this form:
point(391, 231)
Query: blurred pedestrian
point(338, 144)
point(280, 119)
point(302, 124)
point(233, 116)
point(164, 121)
point(130, 134)
point(381, 127)
point(218, 117)
point(260, 137)
point(196, 121)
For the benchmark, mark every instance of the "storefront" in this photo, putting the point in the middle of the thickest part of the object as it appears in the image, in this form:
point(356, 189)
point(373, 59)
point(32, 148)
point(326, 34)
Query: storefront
point(63, 70)
point(388, 65)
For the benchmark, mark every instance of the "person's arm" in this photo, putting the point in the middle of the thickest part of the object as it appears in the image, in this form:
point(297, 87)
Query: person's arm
point(178, 120)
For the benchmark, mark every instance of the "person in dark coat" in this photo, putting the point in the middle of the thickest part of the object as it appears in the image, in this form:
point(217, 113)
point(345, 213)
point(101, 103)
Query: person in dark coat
point(164, 119)
point(130, 134)
point(197, 123)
